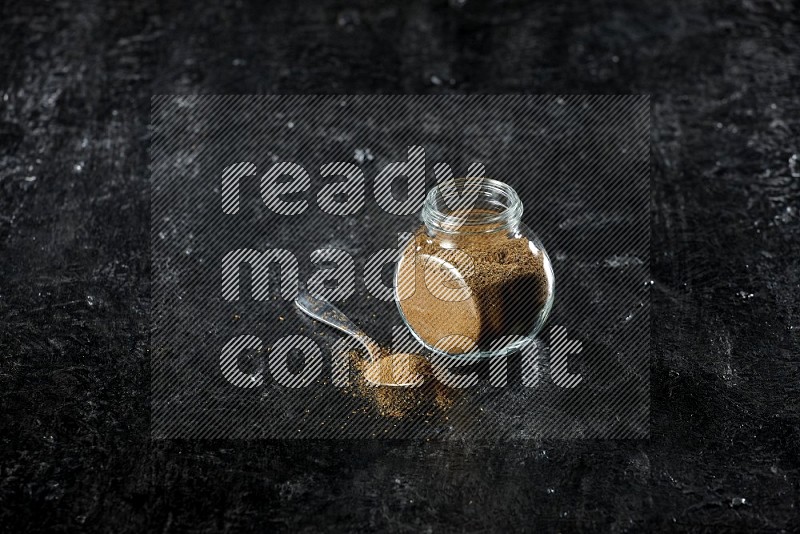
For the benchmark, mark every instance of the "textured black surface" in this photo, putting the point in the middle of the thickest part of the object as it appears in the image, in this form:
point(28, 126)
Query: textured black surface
point(75, 82)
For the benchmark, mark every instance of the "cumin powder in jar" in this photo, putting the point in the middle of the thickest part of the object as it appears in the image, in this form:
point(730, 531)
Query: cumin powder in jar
point(474, 280)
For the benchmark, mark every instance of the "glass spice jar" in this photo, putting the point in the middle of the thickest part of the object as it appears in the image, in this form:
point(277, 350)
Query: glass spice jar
point(474, 282)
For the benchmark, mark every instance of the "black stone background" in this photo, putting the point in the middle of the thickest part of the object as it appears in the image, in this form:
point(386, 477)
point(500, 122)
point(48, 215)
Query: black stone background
point(75, 86)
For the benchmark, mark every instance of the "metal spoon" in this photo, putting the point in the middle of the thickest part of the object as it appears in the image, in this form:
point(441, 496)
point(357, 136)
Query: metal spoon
point(329, 314)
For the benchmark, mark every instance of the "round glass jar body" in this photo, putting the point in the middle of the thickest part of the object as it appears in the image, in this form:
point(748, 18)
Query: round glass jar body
point(474, 282)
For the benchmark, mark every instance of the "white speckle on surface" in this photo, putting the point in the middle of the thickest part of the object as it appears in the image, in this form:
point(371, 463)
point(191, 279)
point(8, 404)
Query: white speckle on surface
point(794, 166)
point(363, 154)
point(550, 491)
point(617, 262)
point(615, 59)
point(786, 215)
point(738, 501)
point(727, 374)
point(239, 62)
point(746, 295)
point(30, 178)
point(78, 167)
point(348, 19)
point(435, 80)
point(290, 124)
point(777, 124)
point(90, 300)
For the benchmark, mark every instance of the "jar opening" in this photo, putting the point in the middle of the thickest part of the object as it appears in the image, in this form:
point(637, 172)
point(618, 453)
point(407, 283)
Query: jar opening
point(472, 205)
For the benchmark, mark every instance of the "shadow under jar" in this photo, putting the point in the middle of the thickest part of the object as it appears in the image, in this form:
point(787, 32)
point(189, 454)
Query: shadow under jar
point(474, 282)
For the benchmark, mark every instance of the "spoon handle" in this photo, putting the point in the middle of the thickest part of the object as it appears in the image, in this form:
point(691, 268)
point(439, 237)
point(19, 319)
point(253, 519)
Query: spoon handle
point(329, 314)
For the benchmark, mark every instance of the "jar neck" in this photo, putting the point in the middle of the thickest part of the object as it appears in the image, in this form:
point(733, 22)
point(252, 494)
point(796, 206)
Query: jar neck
point(471, 205)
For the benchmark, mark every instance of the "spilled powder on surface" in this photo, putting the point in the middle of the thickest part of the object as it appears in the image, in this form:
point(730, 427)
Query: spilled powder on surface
point(394, 369)
point(426, 398)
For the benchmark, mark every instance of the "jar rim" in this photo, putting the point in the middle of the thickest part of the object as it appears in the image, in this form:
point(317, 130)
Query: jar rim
point(496, 207)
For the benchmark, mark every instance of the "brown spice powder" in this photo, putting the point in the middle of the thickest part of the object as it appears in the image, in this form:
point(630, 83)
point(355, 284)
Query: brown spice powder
point(394, 369)
point(505, 290)
point(396, 402)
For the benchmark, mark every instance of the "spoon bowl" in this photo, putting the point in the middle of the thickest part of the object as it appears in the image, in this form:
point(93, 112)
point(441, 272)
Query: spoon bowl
point(327, 313)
